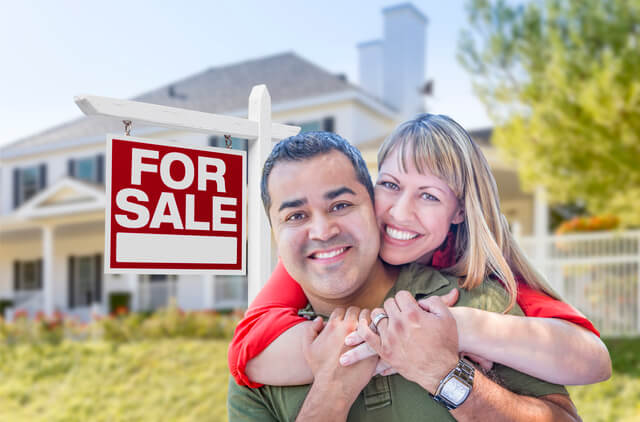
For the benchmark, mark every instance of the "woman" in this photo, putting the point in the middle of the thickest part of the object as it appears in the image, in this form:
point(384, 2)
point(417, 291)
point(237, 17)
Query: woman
point(437, 204)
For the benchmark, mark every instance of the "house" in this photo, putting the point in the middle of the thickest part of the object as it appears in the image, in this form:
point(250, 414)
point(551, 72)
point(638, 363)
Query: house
point(52, 194)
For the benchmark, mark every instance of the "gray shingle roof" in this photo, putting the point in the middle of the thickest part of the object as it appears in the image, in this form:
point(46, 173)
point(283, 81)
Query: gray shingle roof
point(216, 90)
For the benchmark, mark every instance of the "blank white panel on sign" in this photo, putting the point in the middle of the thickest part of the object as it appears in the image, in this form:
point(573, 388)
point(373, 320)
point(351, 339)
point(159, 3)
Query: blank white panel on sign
point(144, 247)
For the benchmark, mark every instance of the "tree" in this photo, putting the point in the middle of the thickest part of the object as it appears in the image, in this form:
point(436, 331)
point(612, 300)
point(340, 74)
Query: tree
point(561, 81)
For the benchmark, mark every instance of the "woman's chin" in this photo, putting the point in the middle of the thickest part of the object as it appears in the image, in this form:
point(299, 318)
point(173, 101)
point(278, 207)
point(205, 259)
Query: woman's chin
point(394, 258)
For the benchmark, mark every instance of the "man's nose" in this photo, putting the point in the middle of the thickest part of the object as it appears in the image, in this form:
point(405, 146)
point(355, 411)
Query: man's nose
point(403, 209)
point(322, 228)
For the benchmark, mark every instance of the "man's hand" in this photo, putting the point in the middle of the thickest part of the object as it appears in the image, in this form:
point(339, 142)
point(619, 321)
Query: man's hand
point(335, 387)
point(421, 346)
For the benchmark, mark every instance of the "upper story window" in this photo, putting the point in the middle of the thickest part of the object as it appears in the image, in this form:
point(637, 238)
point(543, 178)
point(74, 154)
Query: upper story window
point(326, 124)
point(27, 181)
point(89, 169)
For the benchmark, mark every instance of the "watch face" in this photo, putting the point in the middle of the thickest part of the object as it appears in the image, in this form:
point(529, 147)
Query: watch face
point(454, 391)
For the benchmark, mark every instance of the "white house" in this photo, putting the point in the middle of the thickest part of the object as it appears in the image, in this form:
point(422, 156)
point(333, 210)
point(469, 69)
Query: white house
point(52, 183)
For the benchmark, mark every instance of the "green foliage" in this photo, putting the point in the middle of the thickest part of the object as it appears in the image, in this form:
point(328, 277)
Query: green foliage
point(561, 80)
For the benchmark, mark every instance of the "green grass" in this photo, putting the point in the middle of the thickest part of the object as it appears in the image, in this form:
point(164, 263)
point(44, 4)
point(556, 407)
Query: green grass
point(161, 380)
point(186, 380)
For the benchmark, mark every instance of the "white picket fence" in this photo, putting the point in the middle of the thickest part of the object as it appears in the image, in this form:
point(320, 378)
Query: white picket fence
point(598, 273)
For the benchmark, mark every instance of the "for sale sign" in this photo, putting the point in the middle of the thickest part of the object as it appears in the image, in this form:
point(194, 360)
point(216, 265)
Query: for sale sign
point(174, 209)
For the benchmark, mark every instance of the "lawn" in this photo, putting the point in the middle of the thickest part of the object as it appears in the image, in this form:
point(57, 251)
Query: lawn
point(186, 380)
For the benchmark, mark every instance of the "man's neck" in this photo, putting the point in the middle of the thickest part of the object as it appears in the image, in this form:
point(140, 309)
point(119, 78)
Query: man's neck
point(370, 295)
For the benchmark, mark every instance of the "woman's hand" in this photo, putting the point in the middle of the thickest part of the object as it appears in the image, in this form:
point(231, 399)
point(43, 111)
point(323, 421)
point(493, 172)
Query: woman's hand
point(363, 350)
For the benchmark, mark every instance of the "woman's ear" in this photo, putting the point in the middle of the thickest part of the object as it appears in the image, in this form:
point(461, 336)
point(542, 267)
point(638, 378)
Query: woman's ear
point(458, 217)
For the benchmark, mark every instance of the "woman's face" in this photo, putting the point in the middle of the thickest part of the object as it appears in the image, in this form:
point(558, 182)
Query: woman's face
point(414, 211)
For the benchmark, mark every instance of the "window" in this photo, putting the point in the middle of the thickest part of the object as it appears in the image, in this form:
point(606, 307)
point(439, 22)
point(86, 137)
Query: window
point(89, 169)
point(27, 181)
point(326, 124)
point(230, 291)
point(27, 275)
point(85, 280)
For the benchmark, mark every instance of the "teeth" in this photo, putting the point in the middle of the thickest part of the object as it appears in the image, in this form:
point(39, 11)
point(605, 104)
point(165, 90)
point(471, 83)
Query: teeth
point(399, 234)
point(327, 255)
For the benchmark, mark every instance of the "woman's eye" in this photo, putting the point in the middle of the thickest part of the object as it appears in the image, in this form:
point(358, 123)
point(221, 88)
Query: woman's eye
point(389, 185)
point(428, 197)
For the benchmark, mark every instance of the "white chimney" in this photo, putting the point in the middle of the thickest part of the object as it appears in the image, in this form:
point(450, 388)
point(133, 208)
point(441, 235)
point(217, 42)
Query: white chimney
point(403, 58)
point(370, 56)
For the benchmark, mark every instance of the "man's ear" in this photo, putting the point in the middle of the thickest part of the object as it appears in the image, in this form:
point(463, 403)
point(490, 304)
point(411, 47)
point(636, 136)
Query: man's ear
point(458, 217)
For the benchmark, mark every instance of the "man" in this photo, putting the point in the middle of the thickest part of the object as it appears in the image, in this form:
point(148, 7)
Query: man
point(319, 198)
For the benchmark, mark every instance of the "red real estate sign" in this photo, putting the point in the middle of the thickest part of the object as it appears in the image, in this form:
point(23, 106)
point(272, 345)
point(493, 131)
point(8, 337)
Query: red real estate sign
point(174, 209)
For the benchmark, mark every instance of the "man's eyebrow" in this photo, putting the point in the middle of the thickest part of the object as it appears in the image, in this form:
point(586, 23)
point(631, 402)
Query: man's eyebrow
point(332, 194)
point(292, 204)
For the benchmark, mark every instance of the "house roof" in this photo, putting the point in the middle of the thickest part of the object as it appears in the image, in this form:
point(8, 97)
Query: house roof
point(288, 76)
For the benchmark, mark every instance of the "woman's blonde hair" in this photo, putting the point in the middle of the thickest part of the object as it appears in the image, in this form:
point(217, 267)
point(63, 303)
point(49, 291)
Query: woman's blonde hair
point(484, 244)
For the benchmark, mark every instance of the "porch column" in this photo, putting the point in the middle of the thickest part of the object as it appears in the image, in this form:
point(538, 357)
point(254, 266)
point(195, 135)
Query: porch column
point(47, 268)
point(208, 290)
point(132, 281)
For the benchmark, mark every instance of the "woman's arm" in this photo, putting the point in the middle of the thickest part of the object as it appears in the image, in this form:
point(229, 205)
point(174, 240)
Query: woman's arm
point(272, 313)
point(550, 349)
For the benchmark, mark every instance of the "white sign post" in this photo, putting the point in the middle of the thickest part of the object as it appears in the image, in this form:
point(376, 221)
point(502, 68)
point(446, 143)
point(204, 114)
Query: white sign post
point(258, 129)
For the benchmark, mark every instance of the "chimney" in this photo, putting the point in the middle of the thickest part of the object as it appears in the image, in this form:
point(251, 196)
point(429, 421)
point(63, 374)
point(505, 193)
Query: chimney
point(393, 68)
point(403, 58)
point(370, 66)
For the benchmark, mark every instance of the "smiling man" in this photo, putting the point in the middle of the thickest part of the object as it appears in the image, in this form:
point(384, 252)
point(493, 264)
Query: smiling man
point(319, 198)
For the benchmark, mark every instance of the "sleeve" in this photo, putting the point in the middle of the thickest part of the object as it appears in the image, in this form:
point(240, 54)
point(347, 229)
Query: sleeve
point(273, 312)
point(538, 304)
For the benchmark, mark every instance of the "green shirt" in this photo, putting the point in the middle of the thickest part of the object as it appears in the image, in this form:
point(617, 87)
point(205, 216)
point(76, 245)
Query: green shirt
point(392, 398)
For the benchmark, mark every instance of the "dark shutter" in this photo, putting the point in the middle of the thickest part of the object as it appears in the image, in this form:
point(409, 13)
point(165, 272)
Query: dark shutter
point(16, 276)
point(213, 141)
point(16, 187)
point(328, 124)
point(98, 266)
point(39, 274)
point(43, 176)
point(100, 169)
point(71, 167)
point(72, 275)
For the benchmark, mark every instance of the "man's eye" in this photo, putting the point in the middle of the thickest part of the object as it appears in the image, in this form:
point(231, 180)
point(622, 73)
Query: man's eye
point(389, 185)
point(340, 206)
point(295, 216)
point(429, 197)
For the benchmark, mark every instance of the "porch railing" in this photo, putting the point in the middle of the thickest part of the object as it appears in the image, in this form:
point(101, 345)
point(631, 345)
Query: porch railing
point(598, 273)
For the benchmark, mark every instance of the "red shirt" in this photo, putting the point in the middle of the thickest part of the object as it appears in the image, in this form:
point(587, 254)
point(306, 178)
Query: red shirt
point(275, 310)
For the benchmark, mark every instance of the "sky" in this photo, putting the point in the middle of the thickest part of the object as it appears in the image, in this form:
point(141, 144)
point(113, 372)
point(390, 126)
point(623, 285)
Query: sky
point(52, 51)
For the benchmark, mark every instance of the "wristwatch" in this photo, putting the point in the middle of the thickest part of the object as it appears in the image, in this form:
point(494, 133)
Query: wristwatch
point(455, 387)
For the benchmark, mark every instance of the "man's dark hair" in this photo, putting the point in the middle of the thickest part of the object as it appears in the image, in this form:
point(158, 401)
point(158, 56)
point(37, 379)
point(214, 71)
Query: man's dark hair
point(306, 146)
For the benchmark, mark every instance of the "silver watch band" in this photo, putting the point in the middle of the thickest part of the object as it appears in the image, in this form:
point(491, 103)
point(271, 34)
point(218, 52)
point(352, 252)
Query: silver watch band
point(464, 372)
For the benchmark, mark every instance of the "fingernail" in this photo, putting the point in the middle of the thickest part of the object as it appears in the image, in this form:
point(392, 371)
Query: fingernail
point(345, 360)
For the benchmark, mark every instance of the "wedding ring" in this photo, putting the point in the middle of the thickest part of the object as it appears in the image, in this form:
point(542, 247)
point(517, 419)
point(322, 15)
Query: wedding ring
point(376, 320)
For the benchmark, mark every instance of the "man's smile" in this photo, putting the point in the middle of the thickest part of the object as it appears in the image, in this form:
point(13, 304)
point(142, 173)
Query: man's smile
point(329, 255)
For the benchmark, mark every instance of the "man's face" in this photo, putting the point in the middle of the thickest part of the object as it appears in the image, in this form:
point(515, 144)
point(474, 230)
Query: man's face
point(324, 224)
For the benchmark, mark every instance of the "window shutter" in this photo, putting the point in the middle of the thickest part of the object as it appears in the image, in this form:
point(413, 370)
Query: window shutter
point(213, 141)
point(71, 268)
point(98, 269)
point(100, 169)
point(16, 276)
point(71, 167)
point(43, 176)
point(16, 187)
point(39, 273)
point(328, 124)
